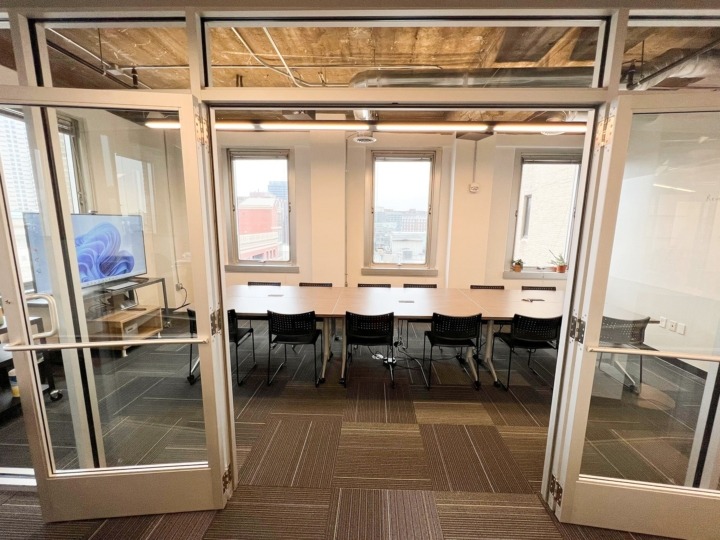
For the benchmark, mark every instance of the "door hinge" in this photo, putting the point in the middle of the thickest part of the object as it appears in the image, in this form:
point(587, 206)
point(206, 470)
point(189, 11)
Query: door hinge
point(604, 133)
point(577, 329)
point(201, 130)
point(555, 490)
point(227, 477)
point(216, 322)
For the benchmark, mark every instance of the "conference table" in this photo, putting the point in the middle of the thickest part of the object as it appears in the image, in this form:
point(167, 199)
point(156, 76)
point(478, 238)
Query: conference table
point(328, 303)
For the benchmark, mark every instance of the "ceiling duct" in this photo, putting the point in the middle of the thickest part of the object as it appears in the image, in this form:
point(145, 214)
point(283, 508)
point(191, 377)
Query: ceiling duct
point(486, 77)
point(678, 64)
point(364, 137)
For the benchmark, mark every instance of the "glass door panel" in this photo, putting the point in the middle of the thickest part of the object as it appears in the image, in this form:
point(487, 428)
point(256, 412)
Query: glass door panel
point(643, 439)
point(103, 252)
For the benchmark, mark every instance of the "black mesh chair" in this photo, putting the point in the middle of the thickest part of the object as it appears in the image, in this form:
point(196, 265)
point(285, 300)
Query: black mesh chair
point(529, 333)
point(538, 288)
point(292, 329)
point(382, 285)
point(332, 320)
point(489, 287)
point(264, 283)
point(408, 322)
point(623, 333)
point(235, 334)
point(371, 331)
point(447, 331)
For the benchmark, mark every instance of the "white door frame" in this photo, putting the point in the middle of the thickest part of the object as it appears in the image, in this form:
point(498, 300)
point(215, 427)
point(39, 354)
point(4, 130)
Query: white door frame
point(604, 502)
point(133, 490)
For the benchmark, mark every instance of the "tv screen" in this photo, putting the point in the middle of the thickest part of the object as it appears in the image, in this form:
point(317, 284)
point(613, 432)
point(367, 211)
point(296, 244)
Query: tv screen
point(108, 247)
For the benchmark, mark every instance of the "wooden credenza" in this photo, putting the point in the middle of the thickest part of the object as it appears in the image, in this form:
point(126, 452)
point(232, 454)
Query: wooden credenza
point(139, 322)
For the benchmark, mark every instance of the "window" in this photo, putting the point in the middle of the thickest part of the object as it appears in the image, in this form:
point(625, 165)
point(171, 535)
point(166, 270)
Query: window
point(545, 207)
point(261, 206)
point(19, 177)
point(401, 208)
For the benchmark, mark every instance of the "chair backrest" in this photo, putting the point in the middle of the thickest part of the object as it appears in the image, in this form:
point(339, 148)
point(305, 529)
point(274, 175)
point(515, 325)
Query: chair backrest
point(538, 288)
point(379, 327)
point(296, 324)
point(264, 283)
point(494, 287)
point(383, 285)
point(419, 285)
point(535, 329)
point(306, 284)
point(456, 327)
point(192, 321)
point(623, 331)
point(232, 325)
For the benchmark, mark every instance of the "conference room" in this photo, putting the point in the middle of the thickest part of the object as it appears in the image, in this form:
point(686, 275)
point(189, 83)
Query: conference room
point(462, 223)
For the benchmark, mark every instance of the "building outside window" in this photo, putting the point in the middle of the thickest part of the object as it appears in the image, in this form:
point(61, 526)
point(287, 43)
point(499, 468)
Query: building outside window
point(261, 206)
point(401, 208)
point(545, 208)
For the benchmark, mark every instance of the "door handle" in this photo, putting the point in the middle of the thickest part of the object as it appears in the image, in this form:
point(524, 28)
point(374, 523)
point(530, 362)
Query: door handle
point(52, 308)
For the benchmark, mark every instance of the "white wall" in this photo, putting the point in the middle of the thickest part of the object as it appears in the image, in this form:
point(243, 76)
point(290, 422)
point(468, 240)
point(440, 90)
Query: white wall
point(330, 192)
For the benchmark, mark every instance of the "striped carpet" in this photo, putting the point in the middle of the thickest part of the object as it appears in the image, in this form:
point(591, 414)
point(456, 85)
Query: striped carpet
point(374, 462)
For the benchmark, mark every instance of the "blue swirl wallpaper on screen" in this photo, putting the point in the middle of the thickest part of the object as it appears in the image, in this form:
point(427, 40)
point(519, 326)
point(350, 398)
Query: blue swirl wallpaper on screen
point(99, 254)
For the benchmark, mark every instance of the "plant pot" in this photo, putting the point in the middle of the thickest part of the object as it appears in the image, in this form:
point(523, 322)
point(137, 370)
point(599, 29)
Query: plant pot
point(561, 268)
point(517, 268)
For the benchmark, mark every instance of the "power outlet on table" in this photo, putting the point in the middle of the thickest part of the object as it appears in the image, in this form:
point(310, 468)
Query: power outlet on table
point(672, 325)
point(663, 322)
point(681, 328)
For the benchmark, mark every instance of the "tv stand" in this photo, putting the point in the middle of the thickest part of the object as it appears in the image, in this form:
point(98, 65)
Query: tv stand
point(131, 322)
point(140, 322)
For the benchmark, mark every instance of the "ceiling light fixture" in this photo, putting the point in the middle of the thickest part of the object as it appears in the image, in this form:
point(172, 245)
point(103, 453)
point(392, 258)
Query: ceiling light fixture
point(540, 127)
point(162, 124)
point(440, 127)
point(674, 188)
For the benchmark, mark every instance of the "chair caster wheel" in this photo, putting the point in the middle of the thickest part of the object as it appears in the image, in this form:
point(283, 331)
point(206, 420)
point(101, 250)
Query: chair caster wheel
point(342, 381)
point(497, 384)
point(317, 383)
point(477, 385)
point(56, 395)
point(191, 379)
point(322, 380)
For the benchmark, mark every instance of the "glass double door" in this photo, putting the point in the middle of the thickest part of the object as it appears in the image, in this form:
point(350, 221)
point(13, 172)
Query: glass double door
point(107, 395)
point(639, 441)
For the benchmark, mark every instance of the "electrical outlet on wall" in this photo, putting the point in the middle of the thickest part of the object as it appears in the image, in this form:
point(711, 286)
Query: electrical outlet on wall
point(179, 287)
point(663, 322)
point(672, 325)
point(681, 328)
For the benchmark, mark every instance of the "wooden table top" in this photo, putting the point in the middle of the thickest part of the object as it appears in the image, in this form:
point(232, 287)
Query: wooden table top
point(404, 303)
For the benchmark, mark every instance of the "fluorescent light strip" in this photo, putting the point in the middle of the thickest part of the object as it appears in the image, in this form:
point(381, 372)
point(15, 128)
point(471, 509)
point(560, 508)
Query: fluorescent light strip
point(385, 127)
point(540, 127)
point(674, 188)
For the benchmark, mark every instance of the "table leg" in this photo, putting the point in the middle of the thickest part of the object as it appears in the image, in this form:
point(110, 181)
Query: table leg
point(471, 362)
point(326, 346)
point(344, 357)
point(489, 350)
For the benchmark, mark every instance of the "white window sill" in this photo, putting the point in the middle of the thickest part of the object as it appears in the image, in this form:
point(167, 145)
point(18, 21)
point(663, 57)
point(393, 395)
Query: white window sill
point(535, 274)
point(397, 271)
point(262, 268)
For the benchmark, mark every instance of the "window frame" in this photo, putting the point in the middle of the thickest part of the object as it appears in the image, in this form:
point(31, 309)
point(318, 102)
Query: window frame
point(235, 263)
point(400, 269)
point(556, 155)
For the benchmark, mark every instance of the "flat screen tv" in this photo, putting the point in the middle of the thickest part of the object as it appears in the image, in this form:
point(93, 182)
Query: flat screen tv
point(109, 248)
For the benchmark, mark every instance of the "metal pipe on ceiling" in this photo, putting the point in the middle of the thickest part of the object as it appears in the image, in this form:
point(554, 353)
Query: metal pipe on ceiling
point(681, 63)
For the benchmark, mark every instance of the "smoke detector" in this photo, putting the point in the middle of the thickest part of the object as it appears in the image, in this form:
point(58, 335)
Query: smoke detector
point(364, 137)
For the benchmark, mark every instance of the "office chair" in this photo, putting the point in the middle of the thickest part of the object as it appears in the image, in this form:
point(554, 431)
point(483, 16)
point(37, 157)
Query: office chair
point(371, 331)
point(264, 283)
point(530, 333)
point(235, 334)
point(292, 329)
point(383, 285)
point(320, 319)
point(447, 331)
point(538, 288)
point(623, 332)
point(408, 322)
point(489, 287)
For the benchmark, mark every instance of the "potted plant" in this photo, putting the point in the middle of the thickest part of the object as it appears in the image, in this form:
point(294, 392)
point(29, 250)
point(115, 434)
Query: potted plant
point(517, 265)
point(559, 262)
